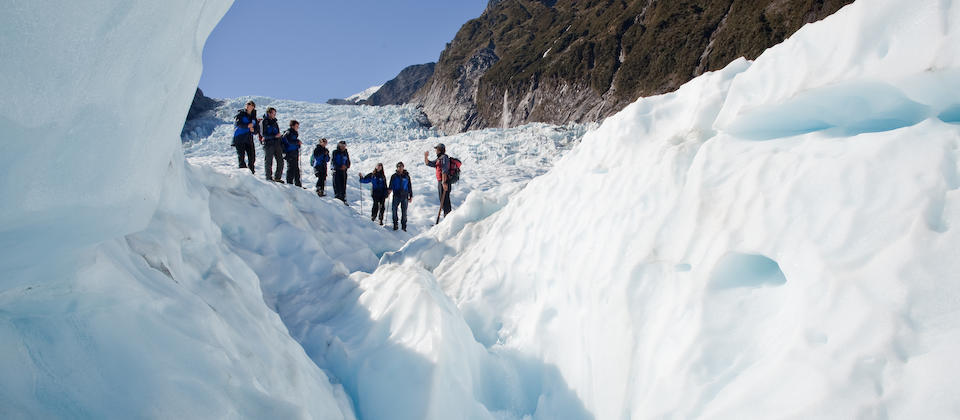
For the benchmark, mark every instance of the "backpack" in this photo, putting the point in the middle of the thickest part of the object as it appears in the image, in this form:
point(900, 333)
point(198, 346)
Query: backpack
point(454, 174)
point(290, 145)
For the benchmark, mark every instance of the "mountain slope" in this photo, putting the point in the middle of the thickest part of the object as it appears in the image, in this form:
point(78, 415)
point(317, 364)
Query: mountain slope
point(401, 89)
point(571, 61)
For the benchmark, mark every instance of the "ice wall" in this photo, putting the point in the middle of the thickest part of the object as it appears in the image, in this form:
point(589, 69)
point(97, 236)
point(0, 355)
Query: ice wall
point(92, 92)
point(118, 297)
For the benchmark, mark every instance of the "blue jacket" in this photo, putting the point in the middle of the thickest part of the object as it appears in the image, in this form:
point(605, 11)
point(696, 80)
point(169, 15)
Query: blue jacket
point(320, 157)
point(291, 141)
point(241, 120)
point(269, 129)
point(339, 158)
point(379, 181)
point(401, 186)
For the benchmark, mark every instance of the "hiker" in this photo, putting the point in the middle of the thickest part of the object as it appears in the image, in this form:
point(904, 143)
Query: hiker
point(443, 169)
point(378, 191)
point(246, 123)
point(319, 161)
point(402, 189)
point(272, 149)
point(340, 162)
point(291, 149)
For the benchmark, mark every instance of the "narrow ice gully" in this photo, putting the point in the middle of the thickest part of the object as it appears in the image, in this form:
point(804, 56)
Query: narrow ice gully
point(773, 240)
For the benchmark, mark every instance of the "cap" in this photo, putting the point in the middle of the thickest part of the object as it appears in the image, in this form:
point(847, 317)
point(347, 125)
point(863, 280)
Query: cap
point(440, 146)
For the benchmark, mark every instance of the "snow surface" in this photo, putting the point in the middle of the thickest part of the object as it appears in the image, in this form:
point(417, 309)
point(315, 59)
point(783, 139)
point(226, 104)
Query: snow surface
point(390, 134)
point(774, 240)
point(357, 97)
point(312, 254)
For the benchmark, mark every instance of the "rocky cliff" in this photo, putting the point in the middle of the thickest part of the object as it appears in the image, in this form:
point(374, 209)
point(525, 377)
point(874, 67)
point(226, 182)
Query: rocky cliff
point(200, 104)
point(562, 61)
point(400, 89)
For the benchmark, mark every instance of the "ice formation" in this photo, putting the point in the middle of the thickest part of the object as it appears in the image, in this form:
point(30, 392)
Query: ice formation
point(773, 240)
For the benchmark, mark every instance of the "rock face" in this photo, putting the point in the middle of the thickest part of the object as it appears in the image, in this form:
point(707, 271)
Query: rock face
point(566, 61)
point(400, 89)
point(338, 101)
point(200, 104)
point(397, 91)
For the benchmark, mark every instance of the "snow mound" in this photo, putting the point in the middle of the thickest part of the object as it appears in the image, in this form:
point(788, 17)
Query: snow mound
point(672, 265)
point(362, 96)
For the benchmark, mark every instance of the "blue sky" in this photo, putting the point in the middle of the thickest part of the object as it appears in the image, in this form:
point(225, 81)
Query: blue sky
point(314, 50)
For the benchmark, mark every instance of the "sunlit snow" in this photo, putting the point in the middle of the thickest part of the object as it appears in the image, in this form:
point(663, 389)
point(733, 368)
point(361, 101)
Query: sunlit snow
point(776, 239)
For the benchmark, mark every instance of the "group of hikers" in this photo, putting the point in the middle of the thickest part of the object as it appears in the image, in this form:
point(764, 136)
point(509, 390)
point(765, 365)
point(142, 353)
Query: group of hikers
point(285, 147)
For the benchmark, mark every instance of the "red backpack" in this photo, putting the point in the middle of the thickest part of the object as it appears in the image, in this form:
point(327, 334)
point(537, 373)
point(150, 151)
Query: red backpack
point(454, 175)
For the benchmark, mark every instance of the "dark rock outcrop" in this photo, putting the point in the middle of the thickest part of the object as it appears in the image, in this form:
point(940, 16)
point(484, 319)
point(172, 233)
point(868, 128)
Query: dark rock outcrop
point(400, 89)
point(200, 104)
point(337, 101)
point(194, 127)
point(563, 61)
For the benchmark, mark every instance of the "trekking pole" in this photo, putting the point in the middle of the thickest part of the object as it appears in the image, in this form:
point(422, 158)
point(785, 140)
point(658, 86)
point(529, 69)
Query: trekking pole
point(443, 199)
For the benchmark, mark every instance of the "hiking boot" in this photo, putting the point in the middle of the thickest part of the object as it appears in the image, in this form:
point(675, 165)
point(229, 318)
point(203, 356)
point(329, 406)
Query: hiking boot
point(381, 222)
point(394, 226)
point(404, 228)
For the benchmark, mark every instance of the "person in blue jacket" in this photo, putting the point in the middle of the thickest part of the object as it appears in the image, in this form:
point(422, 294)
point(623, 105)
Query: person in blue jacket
point(319, 161)
point(402, 189)
point(378, 191)
point(246, 126)
point(291, 149)
point(272, 149)
point(340, 162)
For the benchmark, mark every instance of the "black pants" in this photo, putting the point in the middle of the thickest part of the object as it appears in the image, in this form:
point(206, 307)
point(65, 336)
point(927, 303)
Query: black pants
point(244, 145)
point(273, 152)
point(379, 205)
point(293, 168)
point(444, 198)
point(402, 202)
point(321, 178)
point(340, 185)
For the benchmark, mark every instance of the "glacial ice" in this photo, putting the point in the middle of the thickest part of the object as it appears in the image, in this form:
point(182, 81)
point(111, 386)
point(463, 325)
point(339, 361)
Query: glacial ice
point(776, 239)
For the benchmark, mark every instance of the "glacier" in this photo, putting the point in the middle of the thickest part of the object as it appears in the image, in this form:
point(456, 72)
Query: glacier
point(776, 239)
